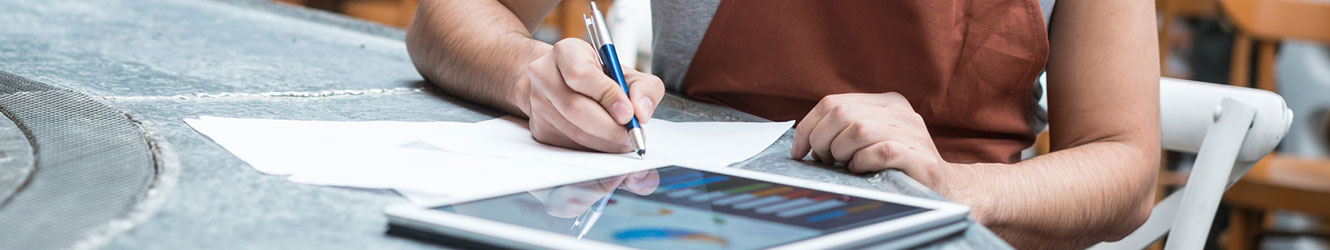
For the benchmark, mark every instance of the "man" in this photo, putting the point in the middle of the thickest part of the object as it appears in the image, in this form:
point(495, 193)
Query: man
point(942, 90)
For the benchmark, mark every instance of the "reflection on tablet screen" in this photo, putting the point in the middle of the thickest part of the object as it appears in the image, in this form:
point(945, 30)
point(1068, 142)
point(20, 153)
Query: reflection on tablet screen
point(685, 209)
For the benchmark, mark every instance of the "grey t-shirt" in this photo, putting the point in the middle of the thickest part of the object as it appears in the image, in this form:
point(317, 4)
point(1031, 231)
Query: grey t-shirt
point(679, 25)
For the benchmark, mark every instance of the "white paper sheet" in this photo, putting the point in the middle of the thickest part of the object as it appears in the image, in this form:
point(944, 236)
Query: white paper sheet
point(436, 162)
point(697, 143)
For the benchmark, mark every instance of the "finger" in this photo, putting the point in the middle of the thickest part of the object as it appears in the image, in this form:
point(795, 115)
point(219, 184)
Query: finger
point(643, 183)
point(877, 157)
point(646, 91)
point(828, 128)
point(546, 133)
point(856, 136)
point(599, 135)
point(801, 146)
point(582, 72)
point(846, 141)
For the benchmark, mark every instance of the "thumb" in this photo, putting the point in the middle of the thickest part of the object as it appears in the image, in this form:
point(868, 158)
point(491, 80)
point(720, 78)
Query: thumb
point(646, 91)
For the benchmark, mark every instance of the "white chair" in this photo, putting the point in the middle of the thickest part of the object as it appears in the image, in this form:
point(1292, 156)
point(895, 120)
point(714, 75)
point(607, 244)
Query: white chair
point(1229, 128)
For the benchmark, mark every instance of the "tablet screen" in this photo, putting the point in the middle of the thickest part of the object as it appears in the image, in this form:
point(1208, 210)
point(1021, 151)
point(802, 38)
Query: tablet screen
point(683, 208)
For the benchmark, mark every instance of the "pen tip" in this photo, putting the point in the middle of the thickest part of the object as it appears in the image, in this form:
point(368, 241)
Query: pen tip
point(642, 153)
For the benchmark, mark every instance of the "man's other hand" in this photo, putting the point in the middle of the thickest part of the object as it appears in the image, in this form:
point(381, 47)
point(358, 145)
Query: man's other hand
point(869, 132)
point(574, 104)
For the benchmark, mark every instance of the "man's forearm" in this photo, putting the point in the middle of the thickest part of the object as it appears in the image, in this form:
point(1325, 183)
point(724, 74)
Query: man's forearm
point(477, 50)
point(1067, 199)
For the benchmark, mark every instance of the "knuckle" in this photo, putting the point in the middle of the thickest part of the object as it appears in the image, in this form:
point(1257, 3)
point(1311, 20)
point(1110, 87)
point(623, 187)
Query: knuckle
point(897, 98)
point(538, 67)
point(893, 95)
point(884, 150)
point(608, 95)
point(914, 117)
point(859, 129)
point(566, 43)
point(828, 99)
point(822, 103)
point(535, 65)
point(579, 73)
point(560, 47)
point(840, 111)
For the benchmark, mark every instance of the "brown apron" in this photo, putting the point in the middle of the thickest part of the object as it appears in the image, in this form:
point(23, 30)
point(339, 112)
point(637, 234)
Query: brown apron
point(967, 66)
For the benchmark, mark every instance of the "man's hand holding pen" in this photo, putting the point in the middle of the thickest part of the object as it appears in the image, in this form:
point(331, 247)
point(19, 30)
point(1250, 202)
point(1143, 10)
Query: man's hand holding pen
point(573, 104)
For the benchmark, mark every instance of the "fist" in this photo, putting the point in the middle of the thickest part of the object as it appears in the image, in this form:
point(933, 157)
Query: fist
point(869, 132)
point(573, 104)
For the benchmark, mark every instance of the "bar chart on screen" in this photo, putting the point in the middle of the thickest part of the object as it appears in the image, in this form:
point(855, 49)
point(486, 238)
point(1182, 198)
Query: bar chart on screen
point(763, 200)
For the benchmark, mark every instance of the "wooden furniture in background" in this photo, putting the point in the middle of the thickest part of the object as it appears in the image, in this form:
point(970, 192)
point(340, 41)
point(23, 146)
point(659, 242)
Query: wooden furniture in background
point(1278, 183)
point(566, 17)
point(1172, 10)
point(1266, 22)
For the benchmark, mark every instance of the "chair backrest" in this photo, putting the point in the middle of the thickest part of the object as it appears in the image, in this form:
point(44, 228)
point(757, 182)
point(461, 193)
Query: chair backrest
point(1194, 119)
point(1277, 19)
point(1187, 109)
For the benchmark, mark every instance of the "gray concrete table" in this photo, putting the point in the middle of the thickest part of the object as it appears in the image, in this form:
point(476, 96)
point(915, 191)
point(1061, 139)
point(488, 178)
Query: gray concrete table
point(160, 61)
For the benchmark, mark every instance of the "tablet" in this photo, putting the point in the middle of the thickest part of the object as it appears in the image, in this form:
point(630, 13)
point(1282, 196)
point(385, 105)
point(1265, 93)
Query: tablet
point(678, 207)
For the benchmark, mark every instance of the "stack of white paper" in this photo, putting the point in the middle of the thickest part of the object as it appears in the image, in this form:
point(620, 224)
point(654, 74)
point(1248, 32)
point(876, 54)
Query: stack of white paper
point(437, 162)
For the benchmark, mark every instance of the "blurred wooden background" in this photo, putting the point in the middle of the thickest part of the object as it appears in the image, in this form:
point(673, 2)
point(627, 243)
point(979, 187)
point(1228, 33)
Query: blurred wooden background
point(565, 21)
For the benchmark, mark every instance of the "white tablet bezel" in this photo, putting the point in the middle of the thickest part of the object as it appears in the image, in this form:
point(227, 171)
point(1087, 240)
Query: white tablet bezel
point(942, 213)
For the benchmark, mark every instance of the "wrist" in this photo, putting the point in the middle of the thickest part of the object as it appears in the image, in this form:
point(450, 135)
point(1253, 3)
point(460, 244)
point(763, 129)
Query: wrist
point(941, 171)
point(960, 188)
point(520, 97)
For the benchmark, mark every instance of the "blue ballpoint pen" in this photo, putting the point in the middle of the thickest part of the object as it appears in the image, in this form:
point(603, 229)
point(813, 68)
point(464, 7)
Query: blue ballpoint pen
point(609, 60)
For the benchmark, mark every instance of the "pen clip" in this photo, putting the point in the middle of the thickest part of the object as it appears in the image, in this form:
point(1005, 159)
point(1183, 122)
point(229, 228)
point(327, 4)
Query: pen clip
point(592, 32)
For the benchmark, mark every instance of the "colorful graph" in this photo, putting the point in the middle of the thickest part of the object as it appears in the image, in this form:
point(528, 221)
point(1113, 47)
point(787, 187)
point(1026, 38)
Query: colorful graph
point(638, 234)
point(762, 198)
point(657, 212)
